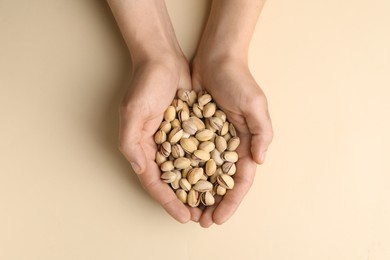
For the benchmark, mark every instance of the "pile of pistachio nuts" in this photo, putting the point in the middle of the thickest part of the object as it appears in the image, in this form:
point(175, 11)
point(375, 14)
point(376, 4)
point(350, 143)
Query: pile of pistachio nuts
point(196, 148)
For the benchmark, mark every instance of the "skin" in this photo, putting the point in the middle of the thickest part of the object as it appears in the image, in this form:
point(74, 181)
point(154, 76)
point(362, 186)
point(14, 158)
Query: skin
point(220, 66)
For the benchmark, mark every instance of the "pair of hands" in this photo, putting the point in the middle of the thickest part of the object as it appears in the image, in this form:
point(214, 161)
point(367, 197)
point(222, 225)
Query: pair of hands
point(153, 87)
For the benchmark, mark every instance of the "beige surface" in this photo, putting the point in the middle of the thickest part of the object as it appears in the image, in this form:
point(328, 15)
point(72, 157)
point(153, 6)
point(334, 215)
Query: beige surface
point(66, 192)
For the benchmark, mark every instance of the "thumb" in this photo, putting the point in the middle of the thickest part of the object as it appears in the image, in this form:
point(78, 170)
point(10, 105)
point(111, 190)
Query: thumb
point(130, 139)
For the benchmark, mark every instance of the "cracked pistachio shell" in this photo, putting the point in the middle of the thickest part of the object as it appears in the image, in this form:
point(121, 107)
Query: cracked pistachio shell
point(177, 151)
point(184, 184)
point(188, 145)
point(177, 104)
point(220, 144)
point(183, 115)
point(192, 98)
point(193, 198)
point(165, 126)
point(170, 114)
point(204, 99)
point(215, 123)
point(211, 167)
point(220, 190)
point(167, 166)
point(207, 198)
point(220, 114)
point(185, 171)
point(225, 181)
point(227, 137)
point(201, 155)
point(183, 95)
point(203, 186)
point(230, 156)
point(189, 127)
point(209, 110)
point(216, 156)
point(165, 149)
point(207, 146)
point(168, 177)
point(194, 175)
point(181, 195)
point(175, 135)
point(232, 130)
point(160, 137)
point(197, 109)
point(175, 123)
point(233, 143)
point(204, 135)
point(198, 123)
point(160, 158)
point(175, 184)
point(182, 163)
point(229, 168)
point(196, 141)
point(225, 129)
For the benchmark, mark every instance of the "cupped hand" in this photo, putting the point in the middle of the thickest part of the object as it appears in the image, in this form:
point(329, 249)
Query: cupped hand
point(234, 90)
point(152, 89)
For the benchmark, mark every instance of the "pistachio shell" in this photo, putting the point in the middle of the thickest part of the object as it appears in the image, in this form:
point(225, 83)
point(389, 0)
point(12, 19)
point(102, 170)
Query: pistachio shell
point(165, 149)
point(181, 195)
point(170, 114)
point(211, 167)
point(225, 129)
point(209, 110)
point(229, 156)
point(167, 166)
point(177, 151)
point(215, 123)
point(160, 158)
point(204, 99)
point(184, 184)
point(175, 135)
point(168, 177)
point(203, 186)
point(184, 95)
point(165, 126)
point(188, 145)
point(229, 168)
point(197, 110)
point(198, 123)
point(185, 171)
point(225, 181)
point(194, 175)
point(177, 104)
point(160, 137)
point(204, 135)
point(193, 198)
point(183, 115)
point(221, 190)
point(207, 198)
point(233, 143)
point(220, 144)
point(182, 163)
point(192, 98)
point(207, 146)
point(175, 123)
point(232, 130)
point(216, 156)
point(201, 155)
point(189, 127)
point(220, 114)
point(175, 184)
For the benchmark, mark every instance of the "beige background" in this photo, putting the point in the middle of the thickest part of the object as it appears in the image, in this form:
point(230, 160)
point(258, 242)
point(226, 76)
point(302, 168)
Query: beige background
point(67, 193)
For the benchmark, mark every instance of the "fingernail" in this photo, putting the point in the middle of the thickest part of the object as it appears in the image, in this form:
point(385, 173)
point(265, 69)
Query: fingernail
point(135, 167)
point(262, 158)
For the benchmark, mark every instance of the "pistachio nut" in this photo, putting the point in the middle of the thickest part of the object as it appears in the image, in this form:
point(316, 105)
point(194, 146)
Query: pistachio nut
point(160, 158)
point(177, 104)
point(209, 110)
point(204, 135)
point(204, 99)
point(160, 137)
point(168, 177)
point(227, 137)
point(165, 127)
point(221, 190)
point(194, 175)
point(215, 123)
point(229, 168)
point(211, 167)
point(177, 151)
point(225, 181)
point(188, 145)
point(167, 166)
point(203, 185)
point(181, 195)
point(216, 156)
point(220, 144)
point(197, 109)
point(232, 130)
point(233, 143)
point(220, 114)
point(165, 149)
point(207, 146)
point(207, 198)
point(201, 155)
point(225, 129)
point(229, 156)
point(193, 198)
point(185, 171)
point(183, 115)
point(170, 114)
point(182, 163)
point(175, 135)
point(175, 123)
point(184, 184)
point(189, 127)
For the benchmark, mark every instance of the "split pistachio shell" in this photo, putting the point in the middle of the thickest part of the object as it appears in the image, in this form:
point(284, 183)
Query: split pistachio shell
point(189, 126)
point(182, 163)
point(184, 184)
point(194, 175)
point(181, 195)
point(225, 181)
point(211, 167)
point(221, 190)
point(177, 151)
point(175, 135)
point(201, 155)
point(160, 137)
point(160, 158)
point(167, 166)
point(220, 144)
point(165, 149)
point(204, 135)
point(207, 198)
point(168, 177)
point(229, 168)
point(207, 146)
point(165, 127)
point(209, 110)
point(203, 186)
point(233, 143)
point(229, 156)
point(188, 145)
point(170, 114)
point(204, 99)
point(193, 198)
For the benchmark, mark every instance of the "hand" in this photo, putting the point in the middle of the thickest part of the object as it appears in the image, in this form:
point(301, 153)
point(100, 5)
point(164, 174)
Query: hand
point(234, 89)
point(152, 89)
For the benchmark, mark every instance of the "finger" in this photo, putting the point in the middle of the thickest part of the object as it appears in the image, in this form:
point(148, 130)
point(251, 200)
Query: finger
point(196, 84)
point(163, 194)
point(260, 126)
point(206, 220)
point(195, 213)
point(131, 124)
point(244, 177)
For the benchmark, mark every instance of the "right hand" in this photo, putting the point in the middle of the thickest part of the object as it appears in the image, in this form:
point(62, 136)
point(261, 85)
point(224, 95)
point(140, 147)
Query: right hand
point(152, 89)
